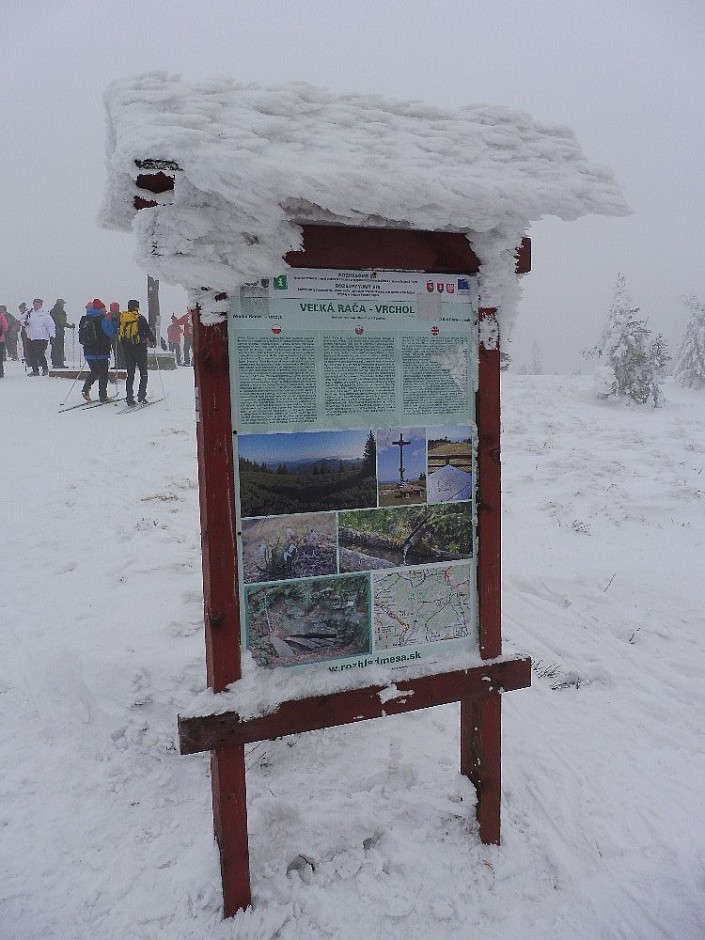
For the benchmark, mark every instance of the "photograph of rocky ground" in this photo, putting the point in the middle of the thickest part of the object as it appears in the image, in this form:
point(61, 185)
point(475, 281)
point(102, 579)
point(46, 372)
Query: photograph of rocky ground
point(309, 621)
point(281, 548)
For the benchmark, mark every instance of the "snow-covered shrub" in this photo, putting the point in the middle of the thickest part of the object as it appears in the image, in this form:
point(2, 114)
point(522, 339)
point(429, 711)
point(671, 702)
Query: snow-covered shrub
point(689, 369)
point(632, 362)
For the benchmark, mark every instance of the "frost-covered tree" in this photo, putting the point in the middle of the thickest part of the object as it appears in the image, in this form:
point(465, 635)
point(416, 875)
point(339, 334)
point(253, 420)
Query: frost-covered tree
point(633, 362)
point(689, 369)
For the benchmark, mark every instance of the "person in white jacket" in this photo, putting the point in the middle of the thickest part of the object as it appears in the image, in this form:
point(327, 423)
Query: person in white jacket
point(40, 328)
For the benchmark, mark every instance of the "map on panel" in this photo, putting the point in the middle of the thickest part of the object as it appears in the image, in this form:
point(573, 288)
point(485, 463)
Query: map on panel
point(422, 606)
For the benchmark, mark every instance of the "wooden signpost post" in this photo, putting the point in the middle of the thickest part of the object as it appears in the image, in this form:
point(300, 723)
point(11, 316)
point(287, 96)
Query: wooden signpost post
point(227, 594)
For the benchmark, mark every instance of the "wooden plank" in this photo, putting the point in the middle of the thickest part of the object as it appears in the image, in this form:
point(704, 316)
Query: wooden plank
point(481, 759)
point(217, 502)
point(222, 615)
point(489, 496)
point(155, 182)
point(481, 720)
point(226, 730)
point(230, 826)
point(523, 256)
point(330, 246)
point(113, 375)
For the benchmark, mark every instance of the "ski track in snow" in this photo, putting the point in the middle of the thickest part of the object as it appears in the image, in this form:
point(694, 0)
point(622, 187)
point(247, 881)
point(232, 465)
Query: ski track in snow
point(365, 831)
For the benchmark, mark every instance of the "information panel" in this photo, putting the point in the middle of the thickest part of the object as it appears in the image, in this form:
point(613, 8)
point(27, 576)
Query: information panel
point(353, 396)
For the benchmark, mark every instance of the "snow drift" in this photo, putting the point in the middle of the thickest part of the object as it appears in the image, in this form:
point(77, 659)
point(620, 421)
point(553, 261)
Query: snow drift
point(367, 830)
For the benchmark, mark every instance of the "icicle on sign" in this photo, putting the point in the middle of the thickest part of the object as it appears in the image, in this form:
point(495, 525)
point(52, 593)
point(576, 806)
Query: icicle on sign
point(353, 419)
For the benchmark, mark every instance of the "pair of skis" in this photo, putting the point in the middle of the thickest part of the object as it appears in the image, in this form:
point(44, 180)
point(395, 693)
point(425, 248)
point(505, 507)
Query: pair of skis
point(138, 406)
point(87, 405)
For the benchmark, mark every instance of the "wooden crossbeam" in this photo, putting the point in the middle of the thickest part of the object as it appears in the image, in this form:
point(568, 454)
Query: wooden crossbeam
point(216, 732)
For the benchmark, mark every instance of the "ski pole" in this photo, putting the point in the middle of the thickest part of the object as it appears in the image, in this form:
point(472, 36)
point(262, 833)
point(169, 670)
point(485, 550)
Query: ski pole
point(115, 373)
point(159, 370)
point(78, 376)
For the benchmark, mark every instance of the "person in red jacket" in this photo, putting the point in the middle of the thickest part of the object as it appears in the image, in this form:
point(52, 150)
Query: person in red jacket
point(173, 338)
point(187, 323)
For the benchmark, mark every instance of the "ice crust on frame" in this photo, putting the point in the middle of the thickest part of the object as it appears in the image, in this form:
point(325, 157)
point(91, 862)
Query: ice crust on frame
point(256, 162)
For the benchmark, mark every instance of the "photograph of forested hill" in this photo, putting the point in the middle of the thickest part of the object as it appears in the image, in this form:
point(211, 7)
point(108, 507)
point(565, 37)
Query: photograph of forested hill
point(306, 472)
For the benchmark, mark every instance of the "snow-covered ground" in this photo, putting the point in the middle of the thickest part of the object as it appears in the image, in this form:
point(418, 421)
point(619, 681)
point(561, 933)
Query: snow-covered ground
point(368, 831)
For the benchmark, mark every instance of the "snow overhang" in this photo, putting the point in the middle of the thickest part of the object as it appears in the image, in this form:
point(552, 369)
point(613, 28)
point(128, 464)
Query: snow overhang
point(224, 174)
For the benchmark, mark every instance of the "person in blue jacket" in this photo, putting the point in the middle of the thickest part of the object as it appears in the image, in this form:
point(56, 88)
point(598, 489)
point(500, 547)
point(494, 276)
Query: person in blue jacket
point(95, 333)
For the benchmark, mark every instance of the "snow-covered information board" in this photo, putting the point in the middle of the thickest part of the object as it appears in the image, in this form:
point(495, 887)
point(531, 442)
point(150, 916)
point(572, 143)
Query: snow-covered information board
point(353, 396)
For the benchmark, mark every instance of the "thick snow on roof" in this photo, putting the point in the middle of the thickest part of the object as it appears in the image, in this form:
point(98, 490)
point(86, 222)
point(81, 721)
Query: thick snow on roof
point(253, 161)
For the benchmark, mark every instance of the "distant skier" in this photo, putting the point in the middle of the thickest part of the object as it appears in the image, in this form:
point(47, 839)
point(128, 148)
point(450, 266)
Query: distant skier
point(95, 333)
point(135, 335)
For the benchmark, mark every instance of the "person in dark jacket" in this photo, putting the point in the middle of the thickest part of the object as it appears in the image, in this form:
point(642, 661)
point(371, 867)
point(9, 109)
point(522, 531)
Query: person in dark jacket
point(58, 315)
point(135, 335)
point(4, 327)
point(13, 330)
point(23, 334)
point(95, 333)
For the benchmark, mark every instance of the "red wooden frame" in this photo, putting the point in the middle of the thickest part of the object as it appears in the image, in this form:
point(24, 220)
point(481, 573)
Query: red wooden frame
point(477, 690)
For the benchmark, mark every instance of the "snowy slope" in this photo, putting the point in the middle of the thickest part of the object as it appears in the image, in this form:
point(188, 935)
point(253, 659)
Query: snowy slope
point(105, 831)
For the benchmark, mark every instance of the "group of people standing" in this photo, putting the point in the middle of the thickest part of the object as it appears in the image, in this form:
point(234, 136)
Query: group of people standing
point(101, 331)
point(35, 328)
point(97, 331)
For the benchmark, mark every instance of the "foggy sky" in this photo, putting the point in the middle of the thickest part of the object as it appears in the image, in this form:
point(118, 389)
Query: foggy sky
point(626, 75)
